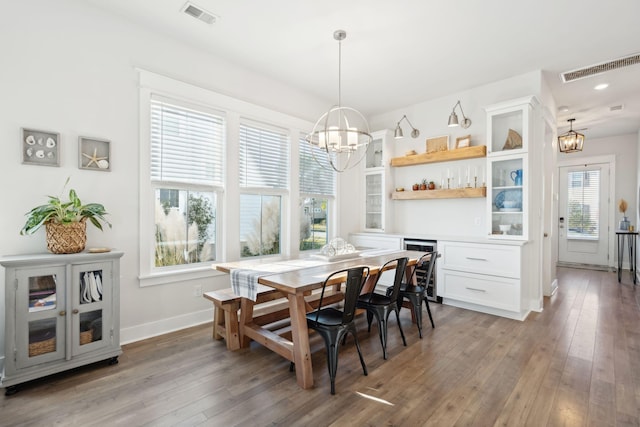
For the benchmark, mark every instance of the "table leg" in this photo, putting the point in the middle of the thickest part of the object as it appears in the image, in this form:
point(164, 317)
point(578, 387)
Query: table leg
point(632, 258)
point(300, 338)
point(246, 317)
point(620, 254)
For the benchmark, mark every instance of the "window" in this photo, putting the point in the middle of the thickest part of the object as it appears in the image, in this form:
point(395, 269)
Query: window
point(317, 191)
point(186, 174)
point(264, 177)
point(583, 204)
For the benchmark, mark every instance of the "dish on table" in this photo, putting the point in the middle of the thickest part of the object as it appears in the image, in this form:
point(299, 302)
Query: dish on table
point(509, 195)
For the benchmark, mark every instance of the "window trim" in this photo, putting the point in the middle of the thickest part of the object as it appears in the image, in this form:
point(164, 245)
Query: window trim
point(227, 221)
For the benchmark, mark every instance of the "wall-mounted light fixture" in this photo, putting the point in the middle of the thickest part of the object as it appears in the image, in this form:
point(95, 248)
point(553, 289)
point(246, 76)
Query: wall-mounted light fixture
point(397, 134)
point(571, 141)
point(453, 118)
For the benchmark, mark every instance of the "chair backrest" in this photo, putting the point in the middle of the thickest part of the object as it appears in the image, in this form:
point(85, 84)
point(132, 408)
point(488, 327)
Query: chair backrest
point(426, 278)
point(356, 276)
point(401, 265)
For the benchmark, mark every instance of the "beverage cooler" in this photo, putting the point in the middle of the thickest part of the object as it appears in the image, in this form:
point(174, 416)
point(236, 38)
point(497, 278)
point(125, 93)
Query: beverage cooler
point(425, 246)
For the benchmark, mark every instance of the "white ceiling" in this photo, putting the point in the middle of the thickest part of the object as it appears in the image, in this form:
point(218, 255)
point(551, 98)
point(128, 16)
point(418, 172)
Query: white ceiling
point(402, 52)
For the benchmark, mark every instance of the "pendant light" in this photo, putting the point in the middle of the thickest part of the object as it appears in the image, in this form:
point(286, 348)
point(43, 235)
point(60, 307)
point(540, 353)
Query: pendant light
point(342, 133)
point(571, 141)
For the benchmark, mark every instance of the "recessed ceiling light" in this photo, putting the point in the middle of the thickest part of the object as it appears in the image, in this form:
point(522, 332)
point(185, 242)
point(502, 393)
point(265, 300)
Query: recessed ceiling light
point(563, 108)
point(601, 86)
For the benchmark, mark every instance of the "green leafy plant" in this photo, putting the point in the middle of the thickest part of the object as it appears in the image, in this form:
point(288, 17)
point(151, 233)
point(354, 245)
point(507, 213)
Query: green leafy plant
point(64, 213)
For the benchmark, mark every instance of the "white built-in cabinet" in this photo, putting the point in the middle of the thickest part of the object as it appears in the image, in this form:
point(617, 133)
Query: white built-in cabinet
point(377, 183)
point(486, 277)
point(509, 134)
point(61, 311)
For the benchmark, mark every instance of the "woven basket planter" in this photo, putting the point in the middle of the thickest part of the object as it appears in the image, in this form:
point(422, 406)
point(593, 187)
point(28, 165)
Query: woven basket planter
point(66, 238)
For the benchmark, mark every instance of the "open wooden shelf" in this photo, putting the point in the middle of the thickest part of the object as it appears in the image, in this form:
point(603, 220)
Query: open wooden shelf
point(441, 156)
point(454, 193)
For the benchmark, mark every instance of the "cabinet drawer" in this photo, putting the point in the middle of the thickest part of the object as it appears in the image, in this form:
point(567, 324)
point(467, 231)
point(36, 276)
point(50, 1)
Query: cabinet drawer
point(496, 260)
point(497, 292)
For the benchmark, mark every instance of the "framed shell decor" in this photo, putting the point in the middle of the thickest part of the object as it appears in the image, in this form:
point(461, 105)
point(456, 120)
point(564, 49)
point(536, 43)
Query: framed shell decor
point(94, 154)
point(40, 147)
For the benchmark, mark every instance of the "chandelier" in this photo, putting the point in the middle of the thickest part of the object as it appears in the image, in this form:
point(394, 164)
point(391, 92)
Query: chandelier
point(571, 141)
point(342, 133)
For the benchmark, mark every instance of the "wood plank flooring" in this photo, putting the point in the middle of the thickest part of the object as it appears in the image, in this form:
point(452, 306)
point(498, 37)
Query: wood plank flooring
point(575, 364)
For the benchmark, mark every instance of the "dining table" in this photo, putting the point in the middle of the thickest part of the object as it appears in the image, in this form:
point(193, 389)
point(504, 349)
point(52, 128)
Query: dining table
point(295, 278)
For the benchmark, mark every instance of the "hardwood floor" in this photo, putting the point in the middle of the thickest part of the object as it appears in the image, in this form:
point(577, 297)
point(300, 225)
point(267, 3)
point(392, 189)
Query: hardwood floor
point(575, 364)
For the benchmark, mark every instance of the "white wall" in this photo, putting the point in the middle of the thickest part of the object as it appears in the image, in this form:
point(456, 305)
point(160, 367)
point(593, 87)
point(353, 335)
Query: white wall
point(70, 68)
point(462, 217)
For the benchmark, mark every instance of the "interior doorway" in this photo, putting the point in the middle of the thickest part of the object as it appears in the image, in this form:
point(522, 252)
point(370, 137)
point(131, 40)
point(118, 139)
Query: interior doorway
point(584, 219)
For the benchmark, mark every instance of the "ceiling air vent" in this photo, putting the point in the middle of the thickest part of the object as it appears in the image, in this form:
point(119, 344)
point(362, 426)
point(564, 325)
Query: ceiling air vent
point(616, 107)
point(592, 70)
point(199, 13)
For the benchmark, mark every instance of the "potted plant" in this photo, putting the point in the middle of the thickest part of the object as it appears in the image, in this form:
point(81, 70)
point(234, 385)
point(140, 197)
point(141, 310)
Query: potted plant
point(432, 185)
point(415, 187)
point(65, 222)
point(624, 222)
point(423, 186)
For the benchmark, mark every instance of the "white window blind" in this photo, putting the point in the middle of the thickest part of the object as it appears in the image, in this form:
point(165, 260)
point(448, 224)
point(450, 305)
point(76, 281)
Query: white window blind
point(316, 174)
point(264, 156)
point(583, 204)
point(186, 144)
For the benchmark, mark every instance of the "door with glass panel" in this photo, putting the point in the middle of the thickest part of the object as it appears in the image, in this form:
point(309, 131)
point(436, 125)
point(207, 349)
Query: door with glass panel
point(583, 235)
point(41, 315)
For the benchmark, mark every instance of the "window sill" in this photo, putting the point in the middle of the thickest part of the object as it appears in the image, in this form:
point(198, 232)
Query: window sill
point(175, 276)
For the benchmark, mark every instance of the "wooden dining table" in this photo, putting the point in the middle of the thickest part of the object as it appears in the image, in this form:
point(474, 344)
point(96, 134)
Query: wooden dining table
point(295, 285)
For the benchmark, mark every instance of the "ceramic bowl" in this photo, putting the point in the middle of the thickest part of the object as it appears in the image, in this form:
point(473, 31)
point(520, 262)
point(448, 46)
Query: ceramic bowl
point(505, 228)
point(510, 204)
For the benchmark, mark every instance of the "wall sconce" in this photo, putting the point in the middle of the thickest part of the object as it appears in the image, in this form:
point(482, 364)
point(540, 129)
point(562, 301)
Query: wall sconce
point(453, 118)
point(397, 134)
point(571, 141)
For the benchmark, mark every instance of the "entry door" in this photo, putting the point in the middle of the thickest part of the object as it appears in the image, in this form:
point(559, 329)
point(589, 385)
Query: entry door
point(583, 205)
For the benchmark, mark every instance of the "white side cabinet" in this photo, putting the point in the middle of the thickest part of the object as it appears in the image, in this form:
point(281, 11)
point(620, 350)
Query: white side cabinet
point(483, 277)
point(61, 311)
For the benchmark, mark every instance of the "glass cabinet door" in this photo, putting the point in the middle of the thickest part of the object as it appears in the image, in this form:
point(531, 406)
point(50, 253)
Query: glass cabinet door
point(507, 182)
point(373, 201)
point(91, 287)
point(41, 315)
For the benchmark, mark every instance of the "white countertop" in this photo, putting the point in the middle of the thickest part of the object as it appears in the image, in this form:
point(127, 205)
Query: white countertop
point(447, 237)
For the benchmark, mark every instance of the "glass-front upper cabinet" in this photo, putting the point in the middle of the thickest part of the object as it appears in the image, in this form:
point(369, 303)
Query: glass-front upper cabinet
point(40, 314)
point(509, 132)
point(376, 182)
point(508, 126)
point(508, 181)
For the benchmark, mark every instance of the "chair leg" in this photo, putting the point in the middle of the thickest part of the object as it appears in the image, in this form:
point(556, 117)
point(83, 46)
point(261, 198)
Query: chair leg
point(332, 360)
point(369, 319)
point(364, 367)
point(382, 330)
point(400, 326)
point(416, 303)
point(426, 302)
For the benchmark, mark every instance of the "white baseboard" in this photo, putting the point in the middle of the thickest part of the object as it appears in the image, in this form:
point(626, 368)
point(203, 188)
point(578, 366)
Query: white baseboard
point(164, 326)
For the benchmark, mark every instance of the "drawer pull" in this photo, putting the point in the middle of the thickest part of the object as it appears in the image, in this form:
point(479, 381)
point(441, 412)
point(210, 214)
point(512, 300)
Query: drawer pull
point(476, 259)
point(475, 289)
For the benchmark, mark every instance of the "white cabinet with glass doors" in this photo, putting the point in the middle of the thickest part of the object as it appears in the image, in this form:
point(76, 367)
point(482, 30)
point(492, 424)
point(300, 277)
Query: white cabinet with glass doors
point(376, 182)
point(509, 128)
point(61, 311)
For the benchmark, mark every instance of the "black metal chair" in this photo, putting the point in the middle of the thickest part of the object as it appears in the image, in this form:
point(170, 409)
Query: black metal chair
point(333, 324)
point(416, 293)
point(381, 306)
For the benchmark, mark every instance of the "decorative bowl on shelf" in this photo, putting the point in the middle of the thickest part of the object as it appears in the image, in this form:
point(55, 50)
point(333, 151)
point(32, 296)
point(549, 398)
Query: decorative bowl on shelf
point(505, 228)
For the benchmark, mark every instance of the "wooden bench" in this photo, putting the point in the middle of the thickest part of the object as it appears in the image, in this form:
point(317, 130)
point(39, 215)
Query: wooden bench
point(270, 306)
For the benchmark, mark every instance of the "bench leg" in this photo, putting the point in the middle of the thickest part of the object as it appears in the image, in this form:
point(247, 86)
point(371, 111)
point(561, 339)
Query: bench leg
point(218, 322)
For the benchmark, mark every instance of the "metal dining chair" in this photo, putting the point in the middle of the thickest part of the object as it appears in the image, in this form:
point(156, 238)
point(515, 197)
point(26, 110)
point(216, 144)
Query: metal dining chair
point(381, 306)
point(334, 324)
point(416, 293)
